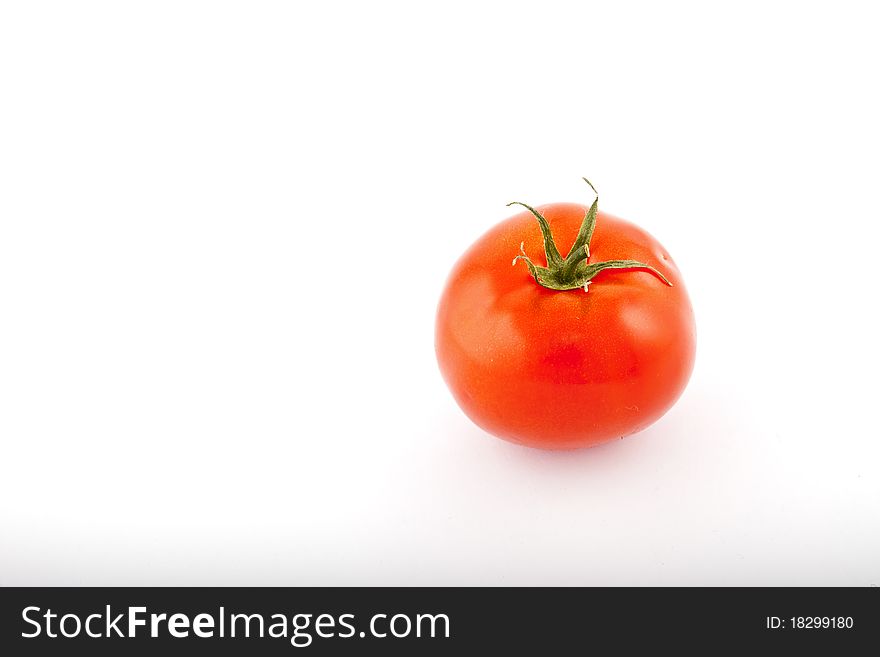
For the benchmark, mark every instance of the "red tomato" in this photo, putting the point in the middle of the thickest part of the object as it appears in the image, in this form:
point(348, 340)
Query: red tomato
point(565, 368)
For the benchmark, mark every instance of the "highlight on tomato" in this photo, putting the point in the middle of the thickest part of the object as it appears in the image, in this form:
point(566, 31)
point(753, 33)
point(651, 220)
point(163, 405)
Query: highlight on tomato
point(565, 352)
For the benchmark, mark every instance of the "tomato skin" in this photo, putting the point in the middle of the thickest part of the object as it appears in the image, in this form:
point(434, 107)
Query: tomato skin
point(564, 369)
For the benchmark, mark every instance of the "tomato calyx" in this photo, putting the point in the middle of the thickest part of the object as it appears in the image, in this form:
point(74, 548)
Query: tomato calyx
point(575, 270)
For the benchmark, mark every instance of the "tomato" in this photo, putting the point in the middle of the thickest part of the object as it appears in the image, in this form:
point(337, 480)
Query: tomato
point(562, 353)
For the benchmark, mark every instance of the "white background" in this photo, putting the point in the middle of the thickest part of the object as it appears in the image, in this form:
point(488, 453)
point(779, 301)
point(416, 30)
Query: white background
point(224, 228)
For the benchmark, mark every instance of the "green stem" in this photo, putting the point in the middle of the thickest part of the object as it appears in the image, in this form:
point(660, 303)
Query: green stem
point(554, 259)
point(575, 270)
